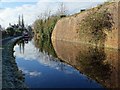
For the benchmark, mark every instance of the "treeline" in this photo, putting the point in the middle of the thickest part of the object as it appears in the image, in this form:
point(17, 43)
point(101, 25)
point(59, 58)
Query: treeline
point(10, 31)
point(42, 34)
point(15, 30)
point(46, 22)
point(43, 28)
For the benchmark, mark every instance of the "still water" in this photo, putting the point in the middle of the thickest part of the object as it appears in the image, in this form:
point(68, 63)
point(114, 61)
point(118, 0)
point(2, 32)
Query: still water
point(64, 65)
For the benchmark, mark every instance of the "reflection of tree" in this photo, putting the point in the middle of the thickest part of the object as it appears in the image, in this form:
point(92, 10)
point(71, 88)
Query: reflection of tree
point(45, 45)
point(93, 65)
point(38, 44)
point(21, 44)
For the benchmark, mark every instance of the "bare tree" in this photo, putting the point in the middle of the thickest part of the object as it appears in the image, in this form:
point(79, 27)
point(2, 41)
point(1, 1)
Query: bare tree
point(47, 13)
point(62, 10)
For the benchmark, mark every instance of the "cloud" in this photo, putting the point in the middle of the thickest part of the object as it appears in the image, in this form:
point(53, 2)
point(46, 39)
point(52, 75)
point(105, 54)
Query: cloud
point(32, 11)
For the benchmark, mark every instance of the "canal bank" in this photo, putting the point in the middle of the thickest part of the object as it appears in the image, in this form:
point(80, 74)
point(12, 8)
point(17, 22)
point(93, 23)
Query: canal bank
point(12, 77)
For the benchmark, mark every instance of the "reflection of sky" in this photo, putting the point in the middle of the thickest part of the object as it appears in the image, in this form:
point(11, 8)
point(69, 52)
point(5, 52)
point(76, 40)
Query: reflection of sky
point(30, 73)
point(32, 54)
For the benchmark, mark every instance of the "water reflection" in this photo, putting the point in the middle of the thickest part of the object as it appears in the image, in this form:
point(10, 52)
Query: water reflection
point(45, 45)
point(27, 51)
point(30, 73)
point(22, 43)
point(41, 66)
point(98, 63)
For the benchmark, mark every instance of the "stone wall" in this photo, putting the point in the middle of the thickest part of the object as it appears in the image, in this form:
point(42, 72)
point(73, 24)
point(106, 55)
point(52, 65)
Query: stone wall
point(67, 28)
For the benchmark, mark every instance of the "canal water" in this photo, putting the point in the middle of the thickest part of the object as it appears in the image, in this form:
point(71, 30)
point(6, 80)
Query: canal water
point(62, 65)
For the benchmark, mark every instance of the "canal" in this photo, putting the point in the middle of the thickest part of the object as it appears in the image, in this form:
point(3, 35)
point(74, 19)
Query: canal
point(65, 65)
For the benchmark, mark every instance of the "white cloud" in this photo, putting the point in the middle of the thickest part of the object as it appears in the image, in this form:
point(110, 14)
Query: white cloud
point(30, 12)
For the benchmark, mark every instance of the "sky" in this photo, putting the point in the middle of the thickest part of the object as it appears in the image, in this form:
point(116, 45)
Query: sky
point(31, 9)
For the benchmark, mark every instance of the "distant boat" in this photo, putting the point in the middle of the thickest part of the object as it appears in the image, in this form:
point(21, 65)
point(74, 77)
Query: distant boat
point(25, 35)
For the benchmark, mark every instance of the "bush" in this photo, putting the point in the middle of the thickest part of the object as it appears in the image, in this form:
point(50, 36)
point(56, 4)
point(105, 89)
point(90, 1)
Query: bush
point(45, 27)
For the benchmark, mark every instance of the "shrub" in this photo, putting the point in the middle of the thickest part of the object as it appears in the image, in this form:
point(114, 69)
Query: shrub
point(45, 27)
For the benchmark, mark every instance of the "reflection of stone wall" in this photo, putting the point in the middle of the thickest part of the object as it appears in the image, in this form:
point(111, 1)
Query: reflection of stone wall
point(68, 51)
point(113, 58)
point(90, 61)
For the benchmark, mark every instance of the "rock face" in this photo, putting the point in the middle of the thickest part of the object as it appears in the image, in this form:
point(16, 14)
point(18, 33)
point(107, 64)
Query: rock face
point(67, 28)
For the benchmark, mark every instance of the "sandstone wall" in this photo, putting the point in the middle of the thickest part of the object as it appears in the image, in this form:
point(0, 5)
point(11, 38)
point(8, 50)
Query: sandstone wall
point(67, 28)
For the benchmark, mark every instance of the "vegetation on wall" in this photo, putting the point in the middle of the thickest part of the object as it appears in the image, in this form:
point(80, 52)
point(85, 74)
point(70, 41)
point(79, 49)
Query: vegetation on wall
point(96, 24)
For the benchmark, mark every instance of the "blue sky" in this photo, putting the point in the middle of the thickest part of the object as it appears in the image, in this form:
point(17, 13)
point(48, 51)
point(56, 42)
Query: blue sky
point(31, 9)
